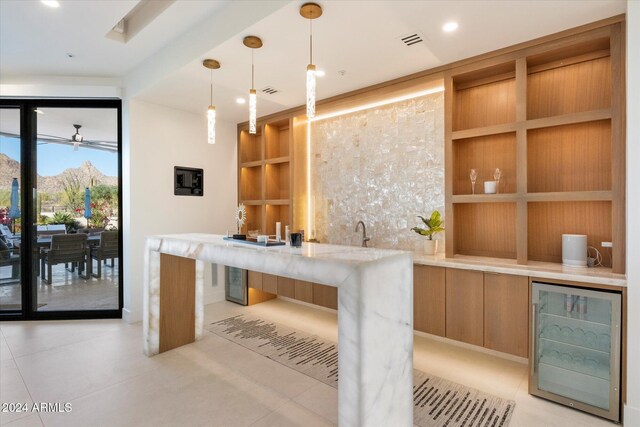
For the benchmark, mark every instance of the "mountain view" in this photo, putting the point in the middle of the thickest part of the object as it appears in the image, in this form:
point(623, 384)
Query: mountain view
point(87, 174)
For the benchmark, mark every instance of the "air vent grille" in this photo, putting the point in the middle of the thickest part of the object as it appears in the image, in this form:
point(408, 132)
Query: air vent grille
point(411, 39)
point(270, 90)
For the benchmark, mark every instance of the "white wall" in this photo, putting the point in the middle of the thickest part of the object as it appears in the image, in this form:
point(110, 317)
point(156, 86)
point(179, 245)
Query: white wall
point(157, 138)
point(632, 407)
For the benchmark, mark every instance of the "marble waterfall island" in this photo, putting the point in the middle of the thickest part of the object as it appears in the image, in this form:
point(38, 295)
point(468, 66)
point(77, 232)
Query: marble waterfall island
point(375, 311)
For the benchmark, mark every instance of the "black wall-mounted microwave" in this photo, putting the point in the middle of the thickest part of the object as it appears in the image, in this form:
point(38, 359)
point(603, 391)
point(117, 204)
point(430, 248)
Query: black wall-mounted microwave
point(188, 181)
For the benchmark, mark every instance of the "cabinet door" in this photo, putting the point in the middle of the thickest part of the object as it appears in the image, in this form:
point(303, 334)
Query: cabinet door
point(465, 305)
point(429, 299)
point(326, 296)
point(286, 287)
point(506, 313)
point(254, 280)
point(304, 291)
point(270, 283)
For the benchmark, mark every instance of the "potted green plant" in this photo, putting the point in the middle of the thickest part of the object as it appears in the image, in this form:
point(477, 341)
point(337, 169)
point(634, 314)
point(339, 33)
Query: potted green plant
point(433, 225)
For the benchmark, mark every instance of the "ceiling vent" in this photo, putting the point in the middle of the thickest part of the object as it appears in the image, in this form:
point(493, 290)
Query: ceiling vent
point(411, 39)
point(269, 90)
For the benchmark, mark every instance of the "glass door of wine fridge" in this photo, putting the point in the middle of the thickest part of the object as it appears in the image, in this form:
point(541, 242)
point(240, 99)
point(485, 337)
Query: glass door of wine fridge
point(575, 348)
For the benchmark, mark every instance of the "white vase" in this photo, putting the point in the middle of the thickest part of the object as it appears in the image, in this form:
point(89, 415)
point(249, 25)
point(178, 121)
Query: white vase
point(430, 247)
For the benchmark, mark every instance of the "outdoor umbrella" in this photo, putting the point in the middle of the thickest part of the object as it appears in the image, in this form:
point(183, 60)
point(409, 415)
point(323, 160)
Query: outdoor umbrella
point(14, 209)
point(87, 204)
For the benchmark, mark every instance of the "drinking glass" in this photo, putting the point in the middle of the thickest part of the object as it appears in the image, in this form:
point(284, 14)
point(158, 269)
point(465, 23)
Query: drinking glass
point(473, 175)
point(496, 175)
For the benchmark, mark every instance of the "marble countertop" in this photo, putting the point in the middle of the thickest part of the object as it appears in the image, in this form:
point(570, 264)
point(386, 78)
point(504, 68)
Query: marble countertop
point(543, 270)
point(315, 262)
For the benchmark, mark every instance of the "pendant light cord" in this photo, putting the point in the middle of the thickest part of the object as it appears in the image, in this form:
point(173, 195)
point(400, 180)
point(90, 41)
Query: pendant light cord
point(311, 40)
point(252, 69)
point(211, 80)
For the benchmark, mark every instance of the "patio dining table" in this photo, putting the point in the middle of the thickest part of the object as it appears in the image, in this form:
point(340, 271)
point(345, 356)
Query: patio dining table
point(44, 242)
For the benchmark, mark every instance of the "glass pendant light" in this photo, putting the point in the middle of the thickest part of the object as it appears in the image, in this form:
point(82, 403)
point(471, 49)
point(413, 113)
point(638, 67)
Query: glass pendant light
point(252, 42)
point(311, 11)
point(211, 64)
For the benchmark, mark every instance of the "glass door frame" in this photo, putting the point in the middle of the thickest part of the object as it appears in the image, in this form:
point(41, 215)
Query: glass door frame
point(28, 178)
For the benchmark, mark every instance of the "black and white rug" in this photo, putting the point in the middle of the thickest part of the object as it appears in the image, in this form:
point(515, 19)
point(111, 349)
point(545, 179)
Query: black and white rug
point(437, 402)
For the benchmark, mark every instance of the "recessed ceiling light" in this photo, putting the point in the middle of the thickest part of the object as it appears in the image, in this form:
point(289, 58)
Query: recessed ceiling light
point(449, 27)
point(71, 55)
point(241, 100)
point(51, 3)
point(320, 73)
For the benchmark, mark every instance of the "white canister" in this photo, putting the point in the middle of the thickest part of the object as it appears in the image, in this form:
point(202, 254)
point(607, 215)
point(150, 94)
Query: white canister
point(574, 250)
point(278, 232)
point(490, 187)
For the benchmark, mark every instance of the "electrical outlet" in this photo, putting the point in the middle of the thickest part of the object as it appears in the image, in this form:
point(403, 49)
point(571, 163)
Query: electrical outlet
point(606, 244)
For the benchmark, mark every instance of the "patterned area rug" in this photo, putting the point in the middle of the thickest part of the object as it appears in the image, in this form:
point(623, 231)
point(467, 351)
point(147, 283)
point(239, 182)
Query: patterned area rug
point(437, 402)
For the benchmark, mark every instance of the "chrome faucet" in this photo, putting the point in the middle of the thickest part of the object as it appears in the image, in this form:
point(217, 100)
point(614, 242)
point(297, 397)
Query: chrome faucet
point(365, 239)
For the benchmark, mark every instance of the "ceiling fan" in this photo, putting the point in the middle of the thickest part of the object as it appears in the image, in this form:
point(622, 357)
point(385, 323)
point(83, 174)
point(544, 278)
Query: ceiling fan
point(77, 140)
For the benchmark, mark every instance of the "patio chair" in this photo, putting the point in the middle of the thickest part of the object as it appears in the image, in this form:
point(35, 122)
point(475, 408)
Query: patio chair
point(107, 249)
point(9, 237)
point(8, 258)
point(64, 249)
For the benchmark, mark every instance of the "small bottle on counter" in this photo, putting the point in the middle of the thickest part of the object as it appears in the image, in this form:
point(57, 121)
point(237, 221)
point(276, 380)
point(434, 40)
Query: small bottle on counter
point(287, 234)
point(278, 232)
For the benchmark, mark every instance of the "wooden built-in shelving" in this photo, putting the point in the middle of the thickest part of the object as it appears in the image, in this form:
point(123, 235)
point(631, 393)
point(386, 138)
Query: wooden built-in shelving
point(551, 117)
point(264, 180)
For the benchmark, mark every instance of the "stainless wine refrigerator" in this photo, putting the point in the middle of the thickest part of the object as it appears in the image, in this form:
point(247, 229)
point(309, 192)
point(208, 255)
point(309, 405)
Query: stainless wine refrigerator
point(575, 348)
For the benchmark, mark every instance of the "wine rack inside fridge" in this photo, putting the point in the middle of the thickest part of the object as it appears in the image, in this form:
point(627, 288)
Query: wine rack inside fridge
point(575, 348)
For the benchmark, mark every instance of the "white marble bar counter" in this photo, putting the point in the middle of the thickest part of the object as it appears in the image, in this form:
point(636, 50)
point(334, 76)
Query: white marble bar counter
point(375, 312)
point(541, 270)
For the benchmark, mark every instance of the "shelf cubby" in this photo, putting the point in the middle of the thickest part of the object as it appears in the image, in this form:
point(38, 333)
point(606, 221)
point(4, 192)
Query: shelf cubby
point(484, 97)
point(251, 183)
point(278, 213)
point(254, 218)
point(484, 154)
point(485, 229)
point(277, 180)
point(250, 147)
point(277, 140)
point(570, 158)
point(548, 221)
point(572, 79)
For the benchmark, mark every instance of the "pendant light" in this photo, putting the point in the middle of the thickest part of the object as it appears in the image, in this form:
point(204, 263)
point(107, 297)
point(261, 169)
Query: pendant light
point(76, 138)
point(253, 43)
point(211, 64)
point(311, 11)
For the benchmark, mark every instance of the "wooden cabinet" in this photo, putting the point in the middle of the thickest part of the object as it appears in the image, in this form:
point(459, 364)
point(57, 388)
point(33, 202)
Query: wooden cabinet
point(303, 291)
point(429, 299)
point(270, 283)
point(265, 175)
point(506, 314)
point(286, 287)
point(551, 117)
point(254, 280)
point(465, 305)
point(326, 296)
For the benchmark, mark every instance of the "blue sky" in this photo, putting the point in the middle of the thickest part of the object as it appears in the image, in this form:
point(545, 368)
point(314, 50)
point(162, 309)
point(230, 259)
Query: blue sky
point(55, 158)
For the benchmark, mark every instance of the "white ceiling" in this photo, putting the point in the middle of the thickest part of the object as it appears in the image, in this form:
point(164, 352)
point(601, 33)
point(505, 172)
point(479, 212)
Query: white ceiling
point(360, 37)
point(363, 38)
point(35, 39)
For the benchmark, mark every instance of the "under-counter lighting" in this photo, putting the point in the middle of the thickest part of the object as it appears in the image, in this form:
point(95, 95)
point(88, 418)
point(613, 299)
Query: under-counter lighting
point(51, 3)
point(241, 100)
point(379, 103)
point(450, 27)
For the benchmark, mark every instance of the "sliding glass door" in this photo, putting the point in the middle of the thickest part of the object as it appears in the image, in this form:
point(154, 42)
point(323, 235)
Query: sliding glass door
point(10, 211)
point(69, 246)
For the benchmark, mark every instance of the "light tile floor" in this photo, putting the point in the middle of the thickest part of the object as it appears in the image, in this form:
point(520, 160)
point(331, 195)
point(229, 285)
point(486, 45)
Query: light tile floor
point(98, 366)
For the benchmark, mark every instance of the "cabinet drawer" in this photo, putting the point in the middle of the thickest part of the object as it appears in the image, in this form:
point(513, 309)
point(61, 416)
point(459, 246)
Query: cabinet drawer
point(286, 287)
point(465, 305)
point(429, 299)
point(303, 291)
point(326, 296)
point(254, 280)
point(270, 283)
